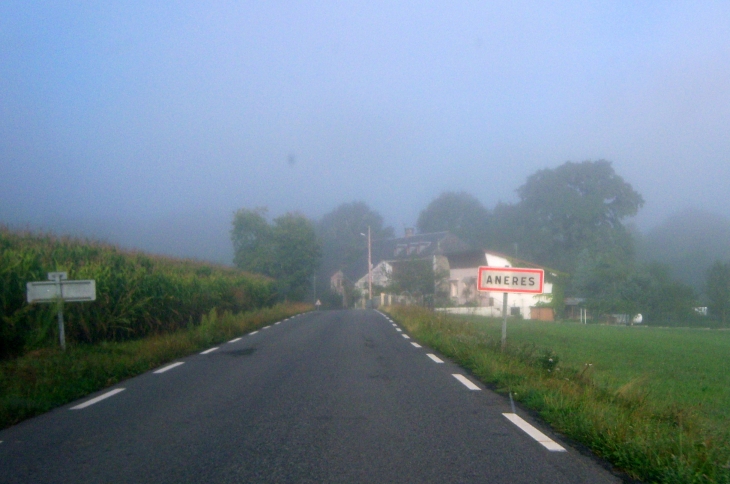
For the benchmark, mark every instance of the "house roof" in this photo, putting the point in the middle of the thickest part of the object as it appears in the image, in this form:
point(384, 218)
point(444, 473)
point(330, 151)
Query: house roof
point(418, 246)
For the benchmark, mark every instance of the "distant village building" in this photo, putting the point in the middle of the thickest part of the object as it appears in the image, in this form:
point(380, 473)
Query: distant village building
point(456, 266)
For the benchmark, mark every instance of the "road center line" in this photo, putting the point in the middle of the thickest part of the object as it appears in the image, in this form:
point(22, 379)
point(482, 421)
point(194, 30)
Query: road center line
point(234, 340)
point(465, 381)
point(169, 367)
point(435, 358)
point(97, 399)
point(209, 351)
point(546, 441)
point(406, 336)
point(416, 345)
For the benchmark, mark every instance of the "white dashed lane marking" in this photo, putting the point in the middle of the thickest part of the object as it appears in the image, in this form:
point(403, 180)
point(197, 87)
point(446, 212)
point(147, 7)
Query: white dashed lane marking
point(168, 367)
point(399, 330)
point(406, 336)
point(465, 381)
point(546, 441)
point(435, 358)
point(278, 322)
point(253, 333)
point(209, 351)
point(267, 327)
point(234, 340)
point(416, 345)
point(97, 399)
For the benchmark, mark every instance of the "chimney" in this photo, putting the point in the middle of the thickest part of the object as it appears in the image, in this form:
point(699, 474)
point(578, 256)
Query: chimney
point(410, 231)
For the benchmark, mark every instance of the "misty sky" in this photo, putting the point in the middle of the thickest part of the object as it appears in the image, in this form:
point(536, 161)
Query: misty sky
point(148, 123)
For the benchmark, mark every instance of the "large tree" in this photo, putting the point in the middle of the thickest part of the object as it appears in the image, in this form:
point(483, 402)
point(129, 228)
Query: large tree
point(718, 291)
point(287, 250)
point(459, 213)
point(340, 232)
point(567, 210)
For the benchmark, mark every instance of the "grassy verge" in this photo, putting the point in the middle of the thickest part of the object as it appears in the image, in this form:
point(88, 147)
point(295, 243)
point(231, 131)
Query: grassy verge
point(46, 378)
point(654, 402)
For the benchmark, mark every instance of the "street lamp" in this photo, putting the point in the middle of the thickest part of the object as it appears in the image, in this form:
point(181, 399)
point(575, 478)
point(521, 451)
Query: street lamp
point(370, 266)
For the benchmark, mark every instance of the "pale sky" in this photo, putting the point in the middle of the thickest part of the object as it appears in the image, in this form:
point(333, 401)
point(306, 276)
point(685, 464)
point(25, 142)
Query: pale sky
point(148, 123)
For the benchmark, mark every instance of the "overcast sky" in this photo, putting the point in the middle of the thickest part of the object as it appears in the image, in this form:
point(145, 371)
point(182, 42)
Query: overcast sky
point(149, 123)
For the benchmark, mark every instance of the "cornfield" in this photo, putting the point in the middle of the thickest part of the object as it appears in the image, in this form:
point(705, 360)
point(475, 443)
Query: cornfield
point(137, 294)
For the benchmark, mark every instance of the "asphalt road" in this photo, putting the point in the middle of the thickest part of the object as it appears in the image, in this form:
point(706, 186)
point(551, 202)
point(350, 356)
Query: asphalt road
point(332, 396)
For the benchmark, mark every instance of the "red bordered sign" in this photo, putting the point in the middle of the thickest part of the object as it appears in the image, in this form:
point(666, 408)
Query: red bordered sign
point(511, 279)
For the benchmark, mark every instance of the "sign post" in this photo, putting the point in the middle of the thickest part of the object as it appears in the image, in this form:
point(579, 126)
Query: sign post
point(58, 290)
point(510, 279)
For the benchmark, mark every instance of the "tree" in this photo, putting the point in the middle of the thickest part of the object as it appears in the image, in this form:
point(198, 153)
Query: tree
point(288, 250)
point(567, 210)
point(339, 232)
point(251, 236)
point(718, 291)
point(415, 277)
point(459, 213)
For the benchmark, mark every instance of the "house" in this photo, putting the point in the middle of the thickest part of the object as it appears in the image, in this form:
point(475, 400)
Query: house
point(388, 253)
point(463, 273)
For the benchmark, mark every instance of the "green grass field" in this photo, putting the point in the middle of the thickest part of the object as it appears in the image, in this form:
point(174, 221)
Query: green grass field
point(689, 368)
point(653, 401)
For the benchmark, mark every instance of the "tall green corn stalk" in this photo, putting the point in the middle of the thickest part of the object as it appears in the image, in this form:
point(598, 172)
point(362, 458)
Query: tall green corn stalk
point(137, 294)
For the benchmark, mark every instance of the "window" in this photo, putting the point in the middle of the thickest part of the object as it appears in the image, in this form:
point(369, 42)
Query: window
point(514, 311)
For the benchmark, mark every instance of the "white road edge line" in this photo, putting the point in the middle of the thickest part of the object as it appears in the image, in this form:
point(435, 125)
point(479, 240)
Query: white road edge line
point(234, 340)
point(253, 332)
point(209, 351)
point(267, 327)
point(416, 345)
point(399, 330)
point(466, 382)
point(546, 441)
point(406, 336)
point(278, 322)
point(97, 399)
point(435, 358)
point(168, 367)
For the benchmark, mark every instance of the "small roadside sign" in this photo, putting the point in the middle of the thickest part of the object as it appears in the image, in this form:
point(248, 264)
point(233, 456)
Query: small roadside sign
point(68, 291)
point(318, 303)
point(511, 279)
point(58, 289)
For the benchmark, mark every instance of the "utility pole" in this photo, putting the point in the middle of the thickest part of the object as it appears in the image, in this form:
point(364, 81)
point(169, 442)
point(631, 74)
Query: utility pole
point(370, 268)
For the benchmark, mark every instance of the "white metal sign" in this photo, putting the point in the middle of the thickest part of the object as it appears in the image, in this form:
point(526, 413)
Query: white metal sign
point(511, 279)
point(59, 289)
point(69, 291)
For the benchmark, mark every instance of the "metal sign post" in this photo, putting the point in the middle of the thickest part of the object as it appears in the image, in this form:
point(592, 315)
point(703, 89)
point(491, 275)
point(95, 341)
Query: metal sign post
point(510, 279)
point(58, 290)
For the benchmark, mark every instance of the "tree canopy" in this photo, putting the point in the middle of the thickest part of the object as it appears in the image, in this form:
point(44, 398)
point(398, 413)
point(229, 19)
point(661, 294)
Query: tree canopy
point(287, 250)
point(459, 213)
point(340, 233)
point(567, 210)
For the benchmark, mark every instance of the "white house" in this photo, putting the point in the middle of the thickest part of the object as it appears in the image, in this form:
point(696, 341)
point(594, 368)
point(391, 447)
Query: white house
point(463, 272)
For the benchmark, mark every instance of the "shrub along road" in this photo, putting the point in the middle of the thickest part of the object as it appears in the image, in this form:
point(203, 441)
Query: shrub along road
point(340, 396)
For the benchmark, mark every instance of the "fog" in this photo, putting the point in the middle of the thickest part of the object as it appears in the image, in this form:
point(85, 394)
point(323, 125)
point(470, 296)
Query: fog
point(147, 125)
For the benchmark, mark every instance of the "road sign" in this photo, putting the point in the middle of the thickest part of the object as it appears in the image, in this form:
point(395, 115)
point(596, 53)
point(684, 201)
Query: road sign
point(511, 279)
point(68, 291)
point(60, 289)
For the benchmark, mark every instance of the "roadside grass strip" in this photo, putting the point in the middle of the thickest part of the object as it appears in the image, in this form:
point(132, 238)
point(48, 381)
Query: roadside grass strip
point(209, 351)
point(98, 399)
point(236, 339)
point(466, 382)
point(543, 439)
point(168, 367)
point(435, 358)
point(406, 336)
point(415, 344)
